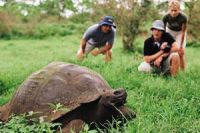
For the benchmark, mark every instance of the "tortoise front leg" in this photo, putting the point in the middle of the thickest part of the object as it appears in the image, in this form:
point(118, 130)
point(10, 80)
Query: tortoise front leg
point(75, 125)
point(5, 112)
point(127, 112)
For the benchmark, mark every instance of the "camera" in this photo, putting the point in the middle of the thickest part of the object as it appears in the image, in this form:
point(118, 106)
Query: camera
point(167, 49)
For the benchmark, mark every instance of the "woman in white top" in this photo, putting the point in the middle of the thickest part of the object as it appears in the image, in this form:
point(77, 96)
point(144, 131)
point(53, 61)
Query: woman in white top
point(176, 24)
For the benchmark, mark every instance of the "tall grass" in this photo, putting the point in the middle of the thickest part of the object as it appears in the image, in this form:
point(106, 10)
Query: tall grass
point(162, 104)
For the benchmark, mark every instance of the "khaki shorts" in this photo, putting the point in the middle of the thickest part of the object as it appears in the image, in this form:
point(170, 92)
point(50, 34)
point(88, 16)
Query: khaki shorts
point(177, 36)
point(165, 67)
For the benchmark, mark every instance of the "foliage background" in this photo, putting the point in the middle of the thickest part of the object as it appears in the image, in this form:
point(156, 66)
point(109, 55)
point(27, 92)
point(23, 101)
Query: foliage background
point(162, 104)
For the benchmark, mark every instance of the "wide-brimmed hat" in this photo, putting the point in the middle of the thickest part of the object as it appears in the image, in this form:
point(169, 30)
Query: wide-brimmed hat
point(107, 20)
point(158, 24)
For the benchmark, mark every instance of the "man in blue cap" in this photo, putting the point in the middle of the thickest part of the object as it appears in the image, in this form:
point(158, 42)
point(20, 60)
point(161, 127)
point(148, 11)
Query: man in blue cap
point(160, 52)
point(99, 36)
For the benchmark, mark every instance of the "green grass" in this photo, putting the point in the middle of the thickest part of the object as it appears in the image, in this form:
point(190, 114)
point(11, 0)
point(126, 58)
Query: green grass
point(162, 104)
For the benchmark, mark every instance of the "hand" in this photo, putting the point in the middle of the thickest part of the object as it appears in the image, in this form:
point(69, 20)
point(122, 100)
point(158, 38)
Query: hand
point(167, 49)
point(164, 45)
point(181, 51)
point(95, 52)
point(80, 55)
point(158, 61)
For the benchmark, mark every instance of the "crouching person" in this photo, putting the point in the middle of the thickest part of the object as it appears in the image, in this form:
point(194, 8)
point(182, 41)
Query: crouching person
point(100, 36)
point(160, 52)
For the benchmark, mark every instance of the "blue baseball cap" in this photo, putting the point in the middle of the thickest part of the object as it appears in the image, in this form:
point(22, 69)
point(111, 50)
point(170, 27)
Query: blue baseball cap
point(107, 20)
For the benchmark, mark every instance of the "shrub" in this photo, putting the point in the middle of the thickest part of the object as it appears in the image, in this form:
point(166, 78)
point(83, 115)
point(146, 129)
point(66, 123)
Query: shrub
point(14, 26)
point(129, 16)
point(21, 124)
point(194, 20)
point(5, 25)
point(45, 30)
point(2, 87)
point(193, 43)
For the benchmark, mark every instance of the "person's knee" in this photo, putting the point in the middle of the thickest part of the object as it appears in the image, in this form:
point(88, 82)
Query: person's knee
point(174, 65)
point(175, 59)
point(144, 67)
point(108, 52)
point(108, 55)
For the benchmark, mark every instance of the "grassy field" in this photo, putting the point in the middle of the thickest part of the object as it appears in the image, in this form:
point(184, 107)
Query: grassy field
point(162, 104)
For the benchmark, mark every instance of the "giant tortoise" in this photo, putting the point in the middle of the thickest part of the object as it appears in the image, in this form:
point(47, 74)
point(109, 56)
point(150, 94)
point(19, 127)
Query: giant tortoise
point(86, 95)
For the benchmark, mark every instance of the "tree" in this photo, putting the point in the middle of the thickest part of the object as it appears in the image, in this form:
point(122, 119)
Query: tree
point(194, 20)
point(56, 7)
point(129, 16)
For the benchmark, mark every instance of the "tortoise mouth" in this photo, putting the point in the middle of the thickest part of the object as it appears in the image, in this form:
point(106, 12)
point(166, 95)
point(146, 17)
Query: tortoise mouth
point(119, 97)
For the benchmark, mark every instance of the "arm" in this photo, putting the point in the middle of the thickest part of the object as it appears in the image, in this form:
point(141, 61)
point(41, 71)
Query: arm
point(81, 51)
point(184, 27)
point(165, 21)
point(158, 60)
point(83, 45)
point(102, 50)
point(105, 48)
point(173, 48)
point(158, 57)
point(150, 58)
point(86, 36)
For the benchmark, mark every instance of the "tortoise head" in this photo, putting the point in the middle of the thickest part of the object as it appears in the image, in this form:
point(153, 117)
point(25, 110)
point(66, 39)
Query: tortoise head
point(113, 104)
point(114, 98)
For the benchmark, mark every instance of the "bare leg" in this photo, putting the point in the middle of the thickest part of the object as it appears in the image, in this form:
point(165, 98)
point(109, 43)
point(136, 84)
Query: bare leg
point(175, 63)
point(108, 56)
point(75, 125)
point(182, 62)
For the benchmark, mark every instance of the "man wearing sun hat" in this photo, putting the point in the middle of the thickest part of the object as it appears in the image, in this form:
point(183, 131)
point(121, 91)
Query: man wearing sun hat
point(100, 36)
point(160, 52)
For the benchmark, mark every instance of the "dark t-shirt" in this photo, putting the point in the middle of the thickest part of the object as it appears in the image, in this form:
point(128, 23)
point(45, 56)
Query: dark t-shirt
point(151, 46)
point(176, 23)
